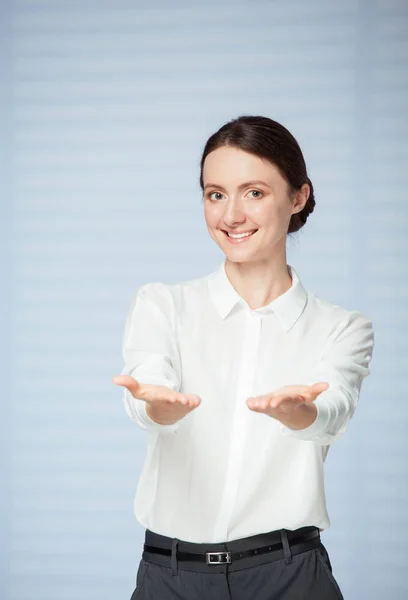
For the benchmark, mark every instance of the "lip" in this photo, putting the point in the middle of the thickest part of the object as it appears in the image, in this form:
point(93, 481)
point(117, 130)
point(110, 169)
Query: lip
point(234, 231)
point(238, 240)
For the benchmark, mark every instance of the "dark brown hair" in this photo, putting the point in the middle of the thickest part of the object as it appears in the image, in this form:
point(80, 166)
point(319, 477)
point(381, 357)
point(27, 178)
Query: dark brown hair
point(269, 140)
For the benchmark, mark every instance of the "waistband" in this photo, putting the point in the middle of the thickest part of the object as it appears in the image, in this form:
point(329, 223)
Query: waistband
point(222, 557)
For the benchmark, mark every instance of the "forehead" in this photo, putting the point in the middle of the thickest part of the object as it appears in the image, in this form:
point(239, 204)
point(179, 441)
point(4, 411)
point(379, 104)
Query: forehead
point(233, 165)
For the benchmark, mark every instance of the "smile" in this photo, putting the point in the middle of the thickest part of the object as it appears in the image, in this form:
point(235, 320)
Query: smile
point(239, 238)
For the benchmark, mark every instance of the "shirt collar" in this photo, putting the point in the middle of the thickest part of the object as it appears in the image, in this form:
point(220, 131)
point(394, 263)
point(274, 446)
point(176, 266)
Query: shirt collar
point(287, 307)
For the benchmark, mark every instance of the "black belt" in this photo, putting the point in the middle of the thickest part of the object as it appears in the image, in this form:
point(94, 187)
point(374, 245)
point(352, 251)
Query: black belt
point(227, 557)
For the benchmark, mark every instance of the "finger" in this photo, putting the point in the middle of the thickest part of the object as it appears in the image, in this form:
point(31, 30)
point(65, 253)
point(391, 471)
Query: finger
point(289, 401)
point(191, 399)
point(184, 399)
point(320, 386)
point(194, 399)
point(276, 400)
point(135, 388)
point(126, 381)
point(252, 402)
point(256, 407)
point(258, 402)
point(313, 391)
point(181, 398)
point(175, 398)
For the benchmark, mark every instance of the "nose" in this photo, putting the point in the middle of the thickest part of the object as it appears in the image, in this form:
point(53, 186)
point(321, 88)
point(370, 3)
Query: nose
point(233, 213)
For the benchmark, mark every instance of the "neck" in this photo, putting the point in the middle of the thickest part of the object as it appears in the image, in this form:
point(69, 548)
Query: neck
point(259, 282)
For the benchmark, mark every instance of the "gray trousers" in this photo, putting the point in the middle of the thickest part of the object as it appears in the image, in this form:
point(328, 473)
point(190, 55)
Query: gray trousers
point(299, 572)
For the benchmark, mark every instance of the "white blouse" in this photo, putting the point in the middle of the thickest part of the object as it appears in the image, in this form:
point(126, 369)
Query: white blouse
point(225, 472)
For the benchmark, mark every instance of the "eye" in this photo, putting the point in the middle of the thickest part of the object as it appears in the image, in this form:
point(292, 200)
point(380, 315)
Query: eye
point(219, 194)
point(212, 193)
point(257, 192)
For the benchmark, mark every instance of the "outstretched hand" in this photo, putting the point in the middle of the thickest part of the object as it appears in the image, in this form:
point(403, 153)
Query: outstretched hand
point(290, 404)
point(165, 406)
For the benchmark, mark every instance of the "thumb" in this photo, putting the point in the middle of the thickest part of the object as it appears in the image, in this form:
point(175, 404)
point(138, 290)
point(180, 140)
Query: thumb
point(126, 381)
point(318, 388)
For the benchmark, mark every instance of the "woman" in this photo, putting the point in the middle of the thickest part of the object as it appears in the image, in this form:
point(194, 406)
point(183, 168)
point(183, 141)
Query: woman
point(241, 379)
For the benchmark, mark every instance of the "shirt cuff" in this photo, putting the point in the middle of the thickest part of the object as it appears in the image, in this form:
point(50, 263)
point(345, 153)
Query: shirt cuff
point(319, 426)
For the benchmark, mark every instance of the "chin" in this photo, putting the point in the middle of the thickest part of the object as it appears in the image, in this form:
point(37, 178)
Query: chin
point(239, 257)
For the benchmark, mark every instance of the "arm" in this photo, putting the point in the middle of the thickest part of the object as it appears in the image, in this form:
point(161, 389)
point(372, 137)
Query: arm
point(151, 356)
point(344, 364)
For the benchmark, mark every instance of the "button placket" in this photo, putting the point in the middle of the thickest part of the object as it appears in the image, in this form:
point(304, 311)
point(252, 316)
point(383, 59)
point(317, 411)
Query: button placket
point(247, 366)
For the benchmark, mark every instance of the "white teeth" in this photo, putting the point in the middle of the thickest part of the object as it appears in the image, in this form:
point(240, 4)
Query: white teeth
point(240, 235)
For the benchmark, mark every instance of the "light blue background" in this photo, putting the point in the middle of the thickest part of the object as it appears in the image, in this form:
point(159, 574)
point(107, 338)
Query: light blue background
point(106, 107)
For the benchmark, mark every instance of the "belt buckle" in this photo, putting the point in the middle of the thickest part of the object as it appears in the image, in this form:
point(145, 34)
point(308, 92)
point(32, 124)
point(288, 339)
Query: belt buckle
point(226, 555)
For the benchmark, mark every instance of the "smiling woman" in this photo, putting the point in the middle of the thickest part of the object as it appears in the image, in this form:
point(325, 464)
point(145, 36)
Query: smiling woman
point(271, 143)
point(256, 190)
point(241, 379)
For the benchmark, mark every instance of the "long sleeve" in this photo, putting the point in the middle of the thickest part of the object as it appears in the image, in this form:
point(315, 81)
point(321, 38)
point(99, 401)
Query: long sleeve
point(344, 363)
point(150, 354)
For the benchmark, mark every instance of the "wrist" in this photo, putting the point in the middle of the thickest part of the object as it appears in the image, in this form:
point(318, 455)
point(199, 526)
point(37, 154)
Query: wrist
point(160, 416)
point(302, 417)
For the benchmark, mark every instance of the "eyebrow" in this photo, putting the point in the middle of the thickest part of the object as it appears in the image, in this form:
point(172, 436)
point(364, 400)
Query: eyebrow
point(240, 187)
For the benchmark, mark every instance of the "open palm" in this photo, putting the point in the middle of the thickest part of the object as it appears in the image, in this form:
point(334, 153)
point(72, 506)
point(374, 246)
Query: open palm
point(286, 399)
point(165, 405)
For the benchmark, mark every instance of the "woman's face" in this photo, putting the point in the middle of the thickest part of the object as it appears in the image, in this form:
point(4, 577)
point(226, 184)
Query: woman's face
point(244, 193)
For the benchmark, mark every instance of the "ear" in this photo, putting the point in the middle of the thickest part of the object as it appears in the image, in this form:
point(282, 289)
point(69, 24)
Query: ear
point(301, 198)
